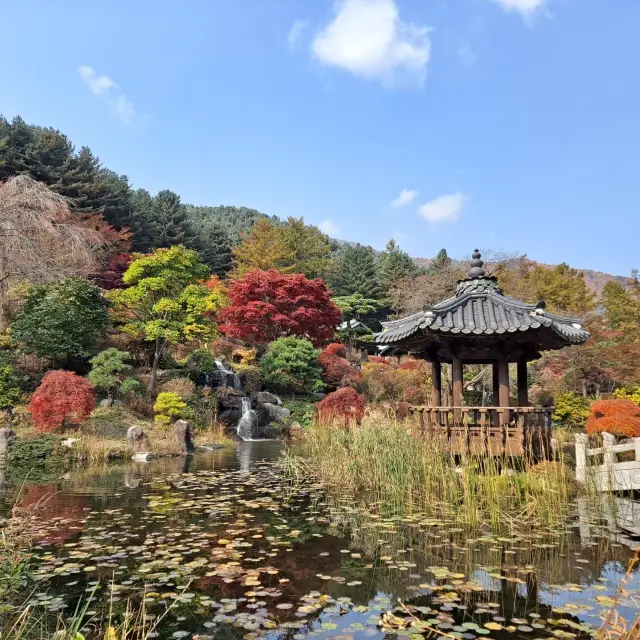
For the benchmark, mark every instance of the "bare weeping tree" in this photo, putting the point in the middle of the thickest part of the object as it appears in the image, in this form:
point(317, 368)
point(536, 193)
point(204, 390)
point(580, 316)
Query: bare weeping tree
point(40, 239)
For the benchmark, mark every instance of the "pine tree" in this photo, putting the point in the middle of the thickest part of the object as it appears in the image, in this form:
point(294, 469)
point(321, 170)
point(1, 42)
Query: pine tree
point(215, 249)
point(441, 261)
point(263, 248)
point(355, 270)
point(622, 306)
point(309, 246)
point(170, 218)
point(396, 264)
point(143, 224)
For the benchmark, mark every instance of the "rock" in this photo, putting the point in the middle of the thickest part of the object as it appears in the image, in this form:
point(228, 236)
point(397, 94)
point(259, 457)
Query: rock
point(69, 443)
point(316, 397)
point(209, 447)
point(183, 431)
point(7, 436)
point(264, 397)
point(295, 429)
point(230, 398)
point(137, 441)
point(142, 457)
point(275, 412)
point(230, 417)
point(107, 402)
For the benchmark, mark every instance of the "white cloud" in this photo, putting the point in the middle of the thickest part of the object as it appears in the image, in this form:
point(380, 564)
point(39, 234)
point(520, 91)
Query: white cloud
point(368, 39)
point(296, 32)
point(525, 7)
point(444, 208)
point(405, 197)
point(110, 92)
point(330, 228)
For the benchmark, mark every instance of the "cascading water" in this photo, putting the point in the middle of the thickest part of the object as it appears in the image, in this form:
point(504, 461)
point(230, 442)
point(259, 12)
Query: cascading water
point(248, 423)
point(226, 376)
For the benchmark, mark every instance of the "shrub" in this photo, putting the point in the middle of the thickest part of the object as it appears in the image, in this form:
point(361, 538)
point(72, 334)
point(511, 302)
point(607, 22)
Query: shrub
point(250, 376)
point(378, 360)
point(335, 366)
point(223, 347)
point(200, 362)
point(168, 407)
point(571, 409)
point(291, 364)
point(618, 417)
point(632, 394)
point(110, 372)
point(9, 387)
point(62, 397)
point(414, 395)
point(183, 387)
point(62, 320)
point(344, 405)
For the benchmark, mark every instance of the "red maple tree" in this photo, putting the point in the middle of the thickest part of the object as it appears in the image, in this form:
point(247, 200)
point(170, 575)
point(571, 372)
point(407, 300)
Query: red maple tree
point(266, 305)
point(344, 405)
point(110, 277)
point(62, 396)
point(618, 417)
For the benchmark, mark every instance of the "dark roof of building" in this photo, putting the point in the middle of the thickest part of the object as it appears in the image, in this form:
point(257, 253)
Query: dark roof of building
point(480, 308)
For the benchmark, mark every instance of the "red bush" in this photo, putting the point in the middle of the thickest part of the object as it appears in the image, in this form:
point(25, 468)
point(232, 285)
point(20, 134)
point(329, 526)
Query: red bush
point(335, 349)
point(62, 396)
point(618, 417)
point(335, 366)
point(414, 395)
point(411, 365)
point(111, 276)
point(345, 405)
point(267, 305)
point(378, 360)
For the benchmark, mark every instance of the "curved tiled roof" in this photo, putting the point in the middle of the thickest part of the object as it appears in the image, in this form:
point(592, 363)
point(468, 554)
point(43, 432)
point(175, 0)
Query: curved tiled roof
point(479, 307)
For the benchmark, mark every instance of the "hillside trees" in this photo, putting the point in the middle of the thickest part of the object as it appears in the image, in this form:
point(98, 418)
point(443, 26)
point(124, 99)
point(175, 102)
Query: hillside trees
point(263, 248)
point(622, 306)
point(355, 270)
point(62, 320)
point(395, 265)
point(166, 301)
point(169, 216)
point(266, 305)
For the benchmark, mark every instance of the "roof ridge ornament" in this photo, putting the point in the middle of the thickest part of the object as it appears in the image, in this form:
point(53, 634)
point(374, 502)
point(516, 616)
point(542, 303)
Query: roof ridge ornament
point(477, 266)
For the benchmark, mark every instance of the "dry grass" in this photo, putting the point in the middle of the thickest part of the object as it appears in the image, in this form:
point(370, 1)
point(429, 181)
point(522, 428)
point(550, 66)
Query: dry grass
point(382, 459)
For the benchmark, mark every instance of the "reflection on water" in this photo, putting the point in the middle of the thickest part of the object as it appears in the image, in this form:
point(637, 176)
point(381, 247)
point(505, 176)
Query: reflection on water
point(225, 543)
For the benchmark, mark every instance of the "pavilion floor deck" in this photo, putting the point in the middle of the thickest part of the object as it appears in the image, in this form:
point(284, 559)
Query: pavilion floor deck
point(488, 431)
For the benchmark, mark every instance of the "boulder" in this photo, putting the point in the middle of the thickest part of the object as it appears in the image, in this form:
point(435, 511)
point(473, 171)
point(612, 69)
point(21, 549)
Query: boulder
point(317, 397)
point(229, 417)
point(295, 429)
point(230, 398)
point(275, 413)
point(107, 402)
point(7, 436)
point(183, 432)
point(69, 443)
point(209, 447)
point(137, 442)
point(266, 397)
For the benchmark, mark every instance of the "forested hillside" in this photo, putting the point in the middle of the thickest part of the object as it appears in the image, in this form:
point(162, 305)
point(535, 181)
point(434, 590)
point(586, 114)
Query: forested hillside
point(251, 277)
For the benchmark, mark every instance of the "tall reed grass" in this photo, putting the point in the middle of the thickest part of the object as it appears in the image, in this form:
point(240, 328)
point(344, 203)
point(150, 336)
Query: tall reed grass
point(383, 460)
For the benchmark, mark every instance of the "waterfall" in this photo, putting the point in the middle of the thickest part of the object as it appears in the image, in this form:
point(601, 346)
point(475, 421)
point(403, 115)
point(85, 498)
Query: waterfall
point(248, 423)
point(226, 376)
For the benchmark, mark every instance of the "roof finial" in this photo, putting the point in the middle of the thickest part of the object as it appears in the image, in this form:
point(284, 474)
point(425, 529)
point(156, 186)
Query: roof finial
point(477, 270)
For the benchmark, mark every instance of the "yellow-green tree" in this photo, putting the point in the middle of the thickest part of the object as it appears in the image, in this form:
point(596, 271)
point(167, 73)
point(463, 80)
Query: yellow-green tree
point(562, 287)
point(311, 251)
point(263, 248)
point(166, 301)
point(622, 305)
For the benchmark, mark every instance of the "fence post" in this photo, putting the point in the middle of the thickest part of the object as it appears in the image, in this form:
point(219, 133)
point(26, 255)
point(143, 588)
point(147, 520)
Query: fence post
point(582, 442)
point(609, 457)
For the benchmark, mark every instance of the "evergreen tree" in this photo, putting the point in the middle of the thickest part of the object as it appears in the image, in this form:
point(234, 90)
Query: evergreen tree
point(396, 264)
point(622, 305)
point(355, 270)
point(170, 218)
point(441, 261)
point(309, 246)
point(235, 221)
point(215, 249)
point(143, 223)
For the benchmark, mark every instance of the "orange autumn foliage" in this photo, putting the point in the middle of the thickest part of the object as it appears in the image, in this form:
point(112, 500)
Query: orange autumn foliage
point(618, 417)
point(344, 405)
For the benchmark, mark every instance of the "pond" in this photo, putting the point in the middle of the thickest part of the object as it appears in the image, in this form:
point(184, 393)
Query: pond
point(222, 545)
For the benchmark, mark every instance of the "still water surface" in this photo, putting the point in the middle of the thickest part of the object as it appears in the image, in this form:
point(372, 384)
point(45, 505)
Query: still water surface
point(221, 545)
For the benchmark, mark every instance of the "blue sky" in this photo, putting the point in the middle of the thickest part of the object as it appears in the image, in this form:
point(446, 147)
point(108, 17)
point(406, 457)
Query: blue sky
point(510, 124)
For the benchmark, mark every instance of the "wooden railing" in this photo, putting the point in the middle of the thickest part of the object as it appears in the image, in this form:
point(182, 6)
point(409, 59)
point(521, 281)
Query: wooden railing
point(488, 431)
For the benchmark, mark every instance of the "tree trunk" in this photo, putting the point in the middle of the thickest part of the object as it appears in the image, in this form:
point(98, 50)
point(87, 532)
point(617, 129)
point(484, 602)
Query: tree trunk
point(153, 379)
point(584, 388)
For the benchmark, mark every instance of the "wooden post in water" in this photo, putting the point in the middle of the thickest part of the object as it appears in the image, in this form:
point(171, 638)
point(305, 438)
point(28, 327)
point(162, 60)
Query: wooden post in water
point(503, 393)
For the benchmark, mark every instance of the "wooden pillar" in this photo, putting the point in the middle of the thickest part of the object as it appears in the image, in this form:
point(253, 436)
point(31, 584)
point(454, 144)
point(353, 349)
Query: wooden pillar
point(496, 385)
point(436, 384)
point(503, 392)
point(456, 379)
point(523, 392)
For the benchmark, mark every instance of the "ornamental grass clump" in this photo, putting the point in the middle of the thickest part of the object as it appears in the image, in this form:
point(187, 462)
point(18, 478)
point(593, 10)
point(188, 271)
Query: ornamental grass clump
point(382, 459)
